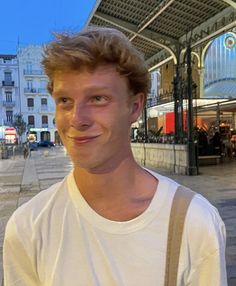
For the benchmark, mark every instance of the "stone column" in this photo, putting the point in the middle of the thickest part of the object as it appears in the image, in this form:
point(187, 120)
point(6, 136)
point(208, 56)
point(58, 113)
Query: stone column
point(201, 72)
point(234, 120)
point(218, 117)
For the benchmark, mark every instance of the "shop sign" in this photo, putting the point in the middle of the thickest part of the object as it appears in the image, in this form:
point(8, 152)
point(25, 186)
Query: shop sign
point(39, 129)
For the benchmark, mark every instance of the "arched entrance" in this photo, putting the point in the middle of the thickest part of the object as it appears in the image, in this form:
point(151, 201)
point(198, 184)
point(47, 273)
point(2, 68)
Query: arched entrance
point(45, 136)
point(57, 138)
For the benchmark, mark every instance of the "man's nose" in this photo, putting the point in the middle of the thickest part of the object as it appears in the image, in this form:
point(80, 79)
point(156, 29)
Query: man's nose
point(81, 117)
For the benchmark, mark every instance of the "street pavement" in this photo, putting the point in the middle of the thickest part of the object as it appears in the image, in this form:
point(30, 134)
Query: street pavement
point(21, 179)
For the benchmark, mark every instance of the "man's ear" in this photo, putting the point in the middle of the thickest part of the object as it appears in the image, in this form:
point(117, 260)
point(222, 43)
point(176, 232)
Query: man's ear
point(136, 106)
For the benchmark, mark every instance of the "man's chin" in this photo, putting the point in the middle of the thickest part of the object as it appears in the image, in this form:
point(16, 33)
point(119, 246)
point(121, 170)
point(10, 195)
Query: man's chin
point(83, 164)
point(80, 164)
point(95, 168)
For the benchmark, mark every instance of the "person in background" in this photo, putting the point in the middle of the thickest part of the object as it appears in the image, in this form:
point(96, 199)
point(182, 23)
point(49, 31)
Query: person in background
point(217, 144)
point(107, 222)
point(25, 151)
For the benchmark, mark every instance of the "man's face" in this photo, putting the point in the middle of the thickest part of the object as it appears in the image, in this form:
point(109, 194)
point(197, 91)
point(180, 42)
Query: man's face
point(94, 111)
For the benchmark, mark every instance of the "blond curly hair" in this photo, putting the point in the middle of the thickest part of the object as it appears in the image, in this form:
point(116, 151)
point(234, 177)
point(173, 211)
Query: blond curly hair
point(93, 47)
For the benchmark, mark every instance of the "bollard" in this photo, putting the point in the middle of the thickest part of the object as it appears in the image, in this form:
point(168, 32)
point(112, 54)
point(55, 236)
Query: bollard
point(45, 153)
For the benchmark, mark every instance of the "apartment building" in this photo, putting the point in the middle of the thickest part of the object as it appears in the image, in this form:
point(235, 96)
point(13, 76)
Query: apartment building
point(37, 106)
point(9, 90)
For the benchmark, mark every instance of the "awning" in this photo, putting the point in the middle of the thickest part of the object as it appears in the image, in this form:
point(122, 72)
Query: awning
point(159, 28)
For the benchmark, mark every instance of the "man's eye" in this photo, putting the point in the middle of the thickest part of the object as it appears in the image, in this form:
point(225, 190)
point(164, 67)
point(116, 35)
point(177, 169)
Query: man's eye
point(62, 100)
point(98, 98)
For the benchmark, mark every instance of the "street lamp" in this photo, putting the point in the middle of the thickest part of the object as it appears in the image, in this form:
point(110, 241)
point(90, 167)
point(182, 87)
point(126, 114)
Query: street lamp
point(147, 105)
point(192, 164)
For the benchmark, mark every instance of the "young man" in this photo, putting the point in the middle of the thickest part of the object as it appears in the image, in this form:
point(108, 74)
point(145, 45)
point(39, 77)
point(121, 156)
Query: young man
point(106, 223)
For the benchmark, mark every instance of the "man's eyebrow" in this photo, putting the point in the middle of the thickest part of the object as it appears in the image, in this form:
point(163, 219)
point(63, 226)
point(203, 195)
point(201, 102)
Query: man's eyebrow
point(61, 92)
point(58, 93)
point(97, 88)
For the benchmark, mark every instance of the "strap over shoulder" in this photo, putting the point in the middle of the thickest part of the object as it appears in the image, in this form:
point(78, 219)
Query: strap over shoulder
point(181, 201)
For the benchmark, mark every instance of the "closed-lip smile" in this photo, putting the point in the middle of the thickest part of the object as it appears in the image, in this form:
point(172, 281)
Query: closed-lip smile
point(83, 139)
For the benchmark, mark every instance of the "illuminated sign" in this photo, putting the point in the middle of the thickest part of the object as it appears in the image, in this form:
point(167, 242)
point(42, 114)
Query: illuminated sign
point(38, 129)
point(10, 135)
point(10, 131)
point(230, 42)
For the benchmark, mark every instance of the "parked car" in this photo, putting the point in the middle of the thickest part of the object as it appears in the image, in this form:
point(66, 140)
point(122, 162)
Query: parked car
point(46, 144)
point(33, 146)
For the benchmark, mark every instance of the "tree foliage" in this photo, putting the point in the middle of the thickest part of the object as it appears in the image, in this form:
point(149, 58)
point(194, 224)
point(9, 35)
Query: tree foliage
point(19, 124)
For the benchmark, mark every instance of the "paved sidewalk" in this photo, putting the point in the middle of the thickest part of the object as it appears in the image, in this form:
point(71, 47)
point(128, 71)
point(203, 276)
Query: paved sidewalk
point(218, 184)
point(21, 179)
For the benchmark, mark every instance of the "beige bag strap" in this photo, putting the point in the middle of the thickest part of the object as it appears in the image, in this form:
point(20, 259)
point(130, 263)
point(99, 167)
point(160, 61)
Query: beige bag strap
point(180, 204)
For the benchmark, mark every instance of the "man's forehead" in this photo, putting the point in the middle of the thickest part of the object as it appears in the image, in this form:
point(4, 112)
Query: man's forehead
point(104, 78)
point(101, 69)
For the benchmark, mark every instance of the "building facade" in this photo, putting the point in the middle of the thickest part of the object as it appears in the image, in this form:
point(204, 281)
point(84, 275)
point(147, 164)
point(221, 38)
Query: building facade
point(9, 91)
point(37, 106)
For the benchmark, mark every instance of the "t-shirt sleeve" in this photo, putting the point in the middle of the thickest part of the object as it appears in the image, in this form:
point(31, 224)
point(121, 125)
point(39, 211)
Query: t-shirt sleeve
point(19, 268)
point(210, 271)
point(208, 266)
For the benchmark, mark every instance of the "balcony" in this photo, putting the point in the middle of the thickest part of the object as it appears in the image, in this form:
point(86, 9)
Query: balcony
point(30, 108)
point(44, 125)
point(44, 108)
point(30, 90)
point(9, 103)
point(34, 72)
point(31, 126)
point(42, 91)
point(8, 83)
point(163, 98)
point(8, 122)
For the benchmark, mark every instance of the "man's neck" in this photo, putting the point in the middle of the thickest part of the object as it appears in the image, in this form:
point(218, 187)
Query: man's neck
point(119, 194)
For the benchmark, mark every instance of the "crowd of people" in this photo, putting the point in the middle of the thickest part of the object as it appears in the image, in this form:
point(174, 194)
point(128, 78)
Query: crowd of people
point(207, 143)
point(217, 144)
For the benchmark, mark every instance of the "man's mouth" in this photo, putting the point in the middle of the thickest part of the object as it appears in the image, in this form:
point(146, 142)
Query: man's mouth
point(83, 139)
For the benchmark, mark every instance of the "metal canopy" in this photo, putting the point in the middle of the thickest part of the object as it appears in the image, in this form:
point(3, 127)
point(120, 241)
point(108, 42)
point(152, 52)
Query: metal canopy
point(160, 28)
point(226, 106)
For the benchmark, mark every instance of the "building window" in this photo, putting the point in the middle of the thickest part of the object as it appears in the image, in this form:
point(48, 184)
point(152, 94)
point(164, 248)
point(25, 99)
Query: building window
point(29, 66)
point(43, 84)
point(30, 120)
point(8, 96)
point(7, 76)
point(29, 84)
point(44, 119)
point(30, 102)
point(9, 116)
point(220, 66)
point(44, 101)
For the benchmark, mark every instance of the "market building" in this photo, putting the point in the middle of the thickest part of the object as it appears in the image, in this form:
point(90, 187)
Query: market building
point(192, 46)
point(214, 85)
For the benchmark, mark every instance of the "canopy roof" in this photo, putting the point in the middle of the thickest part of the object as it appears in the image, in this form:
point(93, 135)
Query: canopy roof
point(160, 28)
point(222, 89)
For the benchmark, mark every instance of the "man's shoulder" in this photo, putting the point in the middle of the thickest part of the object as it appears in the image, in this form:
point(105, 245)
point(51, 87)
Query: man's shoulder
point(204, 225)
point(202, 209)
point(165, 181)
point(40, 204)
point(201, 213)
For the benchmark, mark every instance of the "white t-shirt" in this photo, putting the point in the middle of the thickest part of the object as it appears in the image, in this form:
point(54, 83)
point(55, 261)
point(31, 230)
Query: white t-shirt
point(57, 239)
